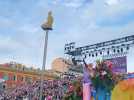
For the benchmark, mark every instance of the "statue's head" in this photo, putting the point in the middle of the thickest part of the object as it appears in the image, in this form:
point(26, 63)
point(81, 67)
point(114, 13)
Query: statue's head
point(50, 13)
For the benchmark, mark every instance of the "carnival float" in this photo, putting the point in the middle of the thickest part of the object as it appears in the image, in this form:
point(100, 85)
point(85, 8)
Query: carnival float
point(104, 84)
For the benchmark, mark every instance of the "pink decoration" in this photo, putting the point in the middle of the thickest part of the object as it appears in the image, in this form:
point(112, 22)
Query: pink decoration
point(86, 91)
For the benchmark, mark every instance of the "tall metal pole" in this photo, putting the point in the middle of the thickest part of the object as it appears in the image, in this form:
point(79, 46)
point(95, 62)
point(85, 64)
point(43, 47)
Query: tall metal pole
point(46, 27)
point(44, 64)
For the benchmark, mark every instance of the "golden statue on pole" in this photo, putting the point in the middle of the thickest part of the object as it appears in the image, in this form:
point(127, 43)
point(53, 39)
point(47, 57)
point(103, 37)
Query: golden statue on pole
point(48, 24)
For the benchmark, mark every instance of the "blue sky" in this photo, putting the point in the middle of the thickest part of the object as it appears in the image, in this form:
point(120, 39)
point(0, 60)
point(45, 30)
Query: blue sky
point(80, 21)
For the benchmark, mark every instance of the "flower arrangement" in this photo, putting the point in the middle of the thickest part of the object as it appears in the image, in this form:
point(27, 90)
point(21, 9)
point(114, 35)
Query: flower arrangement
point(103, 77)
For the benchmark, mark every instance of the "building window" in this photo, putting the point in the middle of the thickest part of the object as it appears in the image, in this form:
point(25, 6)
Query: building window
point(14, 77)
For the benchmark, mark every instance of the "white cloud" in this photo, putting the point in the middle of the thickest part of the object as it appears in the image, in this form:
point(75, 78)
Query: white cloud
point(28, 28)
point(112, 2)
point(6, 43)
point(71, 3)
point(5, 22)
point(18, 51)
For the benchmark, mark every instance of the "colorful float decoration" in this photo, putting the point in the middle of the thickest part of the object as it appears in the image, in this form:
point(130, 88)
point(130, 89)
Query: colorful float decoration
point(107, 84)
point(104, 79)
point(124, 90)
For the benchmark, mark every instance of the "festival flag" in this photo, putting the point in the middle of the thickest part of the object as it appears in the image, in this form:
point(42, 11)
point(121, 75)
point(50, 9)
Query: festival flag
point(86, 82)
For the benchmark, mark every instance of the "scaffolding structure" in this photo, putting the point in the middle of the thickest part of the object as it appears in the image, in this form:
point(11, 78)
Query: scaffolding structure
point(113, 48)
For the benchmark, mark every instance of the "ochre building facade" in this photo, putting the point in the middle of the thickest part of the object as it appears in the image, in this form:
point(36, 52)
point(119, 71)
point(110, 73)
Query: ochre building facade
point(17, 74)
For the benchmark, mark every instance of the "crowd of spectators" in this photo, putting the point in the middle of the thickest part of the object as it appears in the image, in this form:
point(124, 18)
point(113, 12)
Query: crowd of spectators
point(52, 90)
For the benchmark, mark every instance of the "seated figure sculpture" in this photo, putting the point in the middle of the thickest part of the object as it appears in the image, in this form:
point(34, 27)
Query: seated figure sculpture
point(48, 24)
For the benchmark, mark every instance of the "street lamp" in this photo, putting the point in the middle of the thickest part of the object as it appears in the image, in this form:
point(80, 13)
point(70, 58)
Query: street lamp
point(47, 26)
